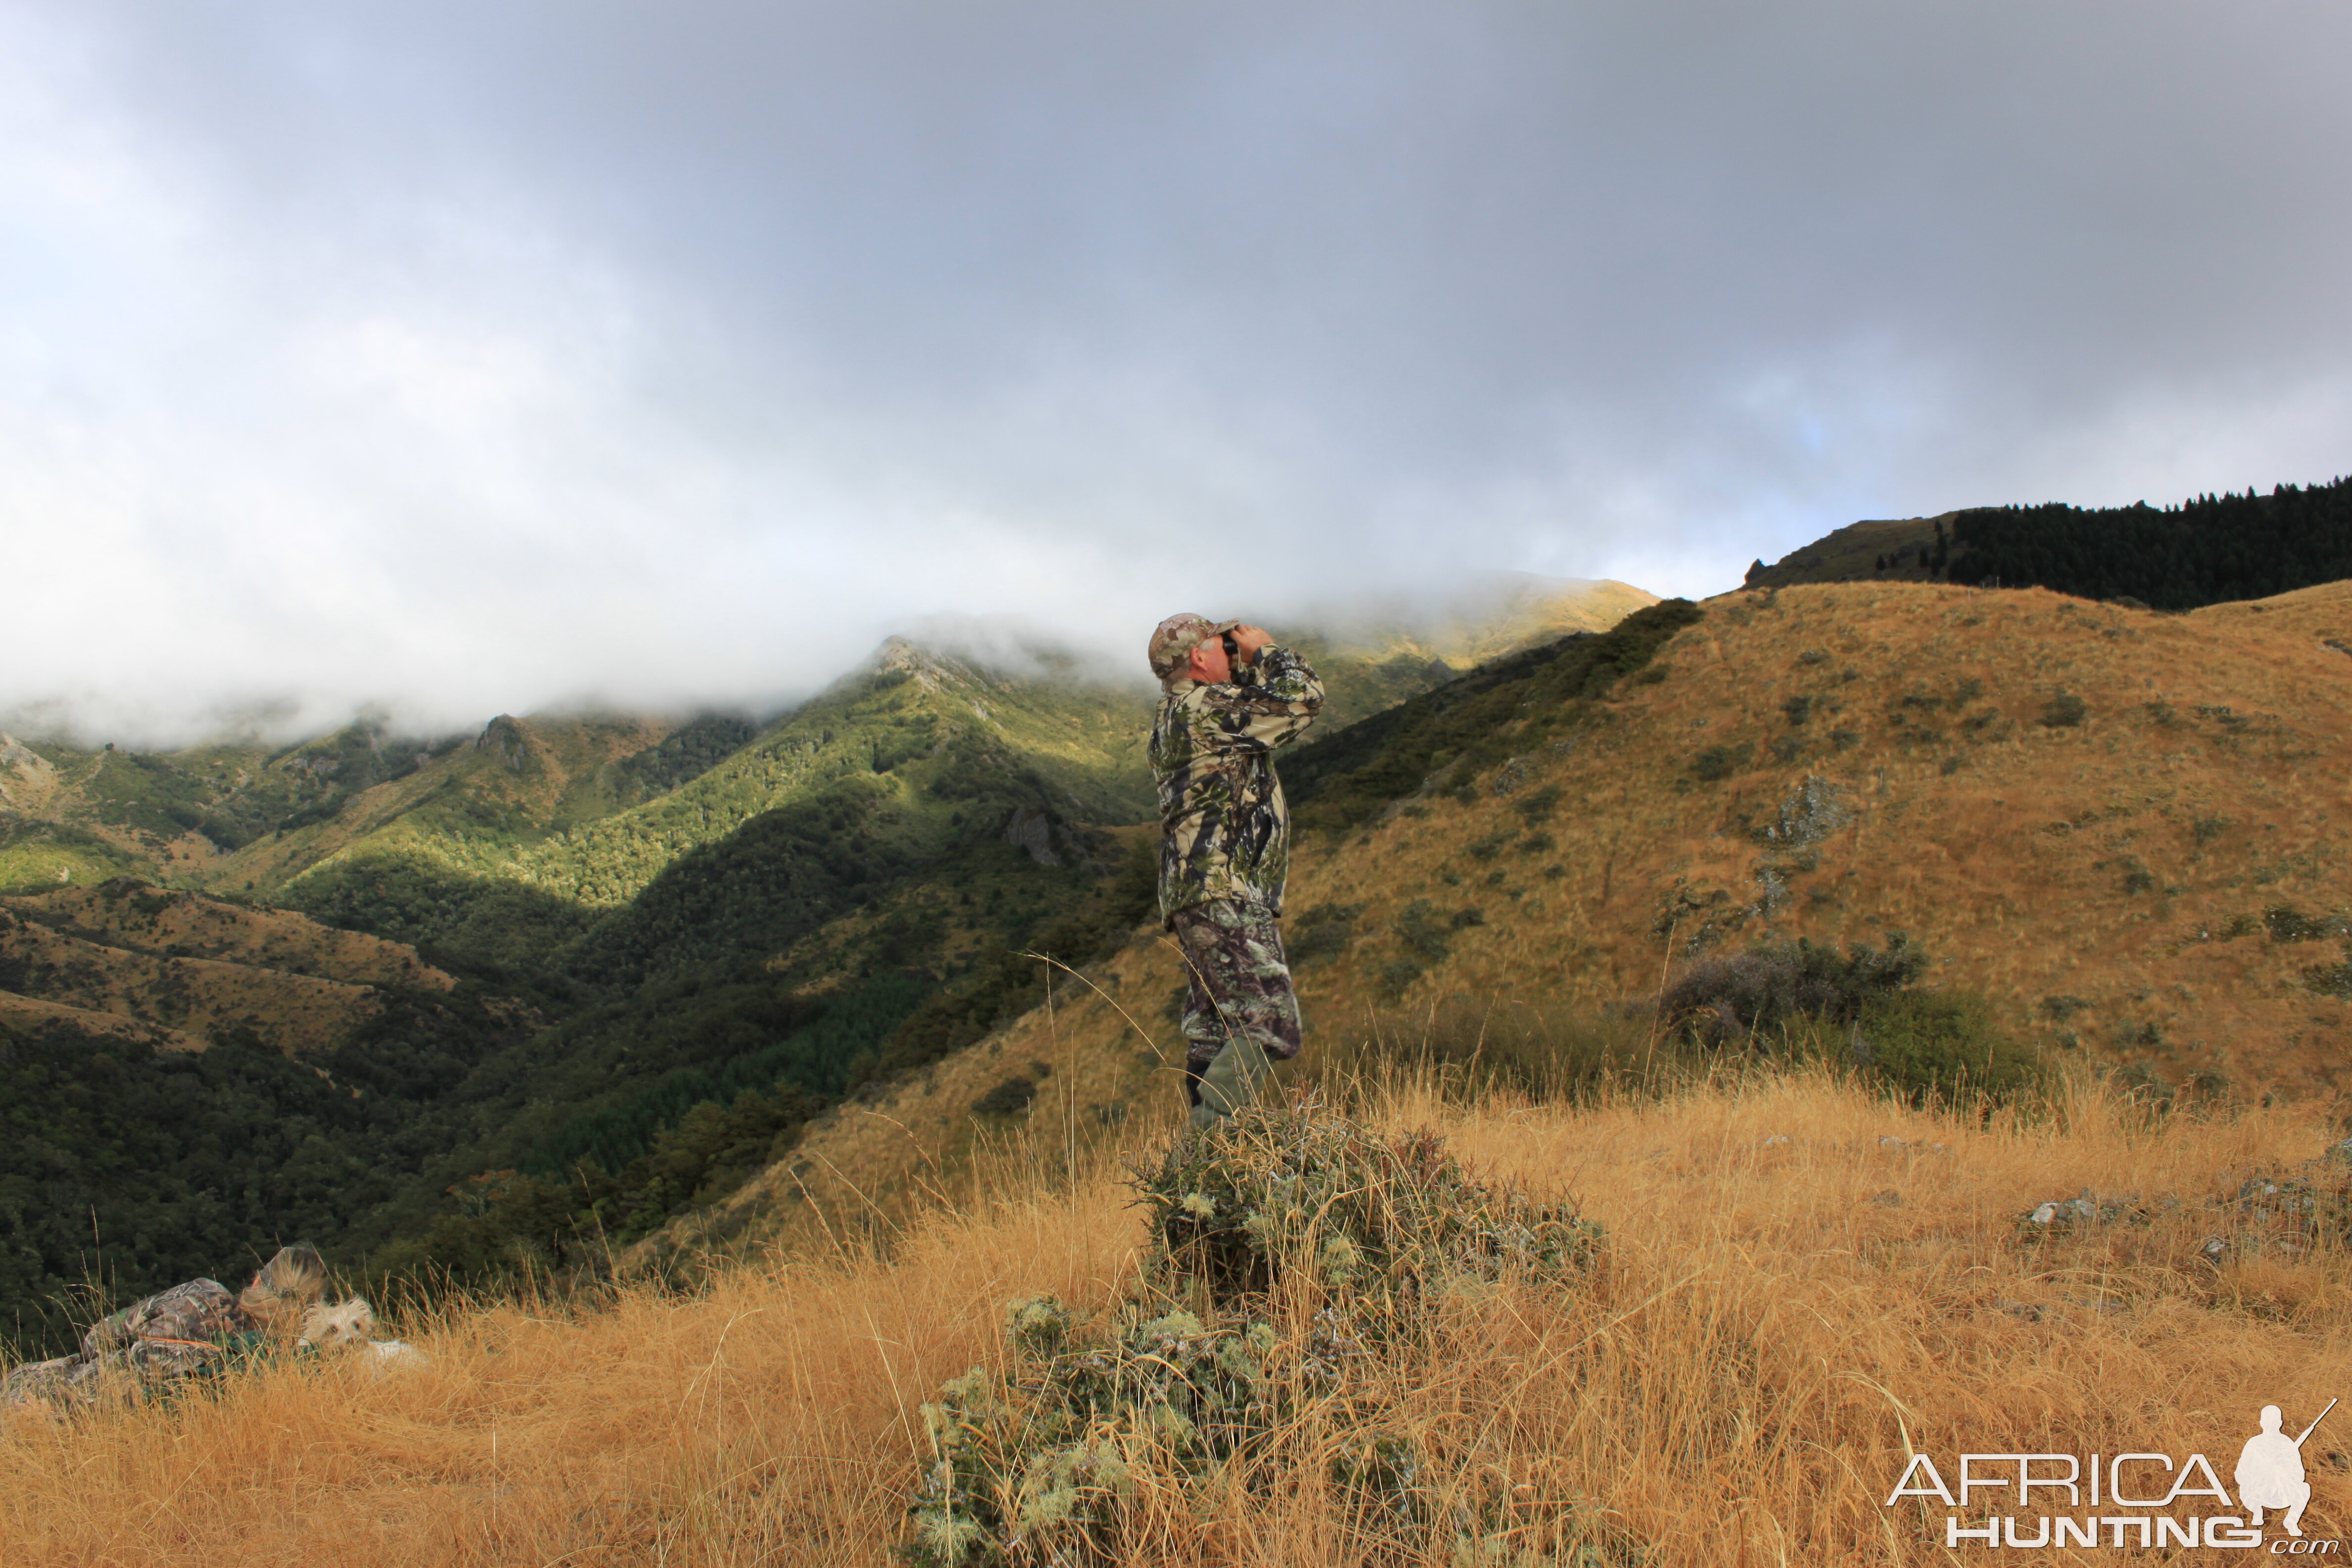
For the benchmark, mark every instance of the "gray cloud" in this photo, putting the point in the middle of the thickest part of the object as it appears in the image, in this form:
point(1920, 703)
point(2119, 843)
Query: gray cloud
point(473, 358)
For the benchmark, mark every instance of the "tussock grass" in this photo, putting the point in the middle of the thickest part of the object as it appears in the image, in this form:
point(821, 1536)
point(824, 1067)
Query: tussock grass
point(1787, 1300)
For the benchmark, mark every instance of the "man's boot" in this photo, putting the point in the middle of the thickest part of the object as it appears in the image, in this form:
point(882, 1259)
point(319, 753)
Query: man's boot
point(1230, 1080)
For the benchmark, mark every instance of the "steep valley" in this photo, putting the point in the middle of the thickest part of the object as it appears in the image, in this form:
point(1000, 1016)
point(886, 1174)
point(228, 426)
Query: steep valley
point(634, 953)
point(538, 992)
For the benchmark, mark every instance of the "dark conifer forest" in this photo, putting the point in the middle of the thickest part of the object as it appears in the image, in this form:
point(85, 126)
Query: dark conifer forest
point(2207, 550)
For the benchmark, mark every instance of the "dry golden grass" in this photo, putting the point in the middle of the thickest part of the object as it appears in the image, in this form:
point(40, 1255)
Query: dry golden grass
point(2012, 870)
point(191, 925)
point(1774, 1322)
point(2124, 862)
point(192, 996)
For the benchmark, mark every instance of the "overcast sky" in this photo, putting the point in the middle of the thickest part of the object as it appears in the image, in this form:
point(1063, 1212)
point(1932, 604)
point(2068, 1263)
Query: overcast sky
point(481, 356)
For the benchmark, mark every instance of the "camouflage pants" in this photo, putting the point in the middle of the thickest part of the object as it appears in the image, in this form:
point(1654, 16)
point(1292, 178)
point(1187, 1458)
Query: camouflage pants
point(91, 1379)
point(149, 1345)
point(1240, 984)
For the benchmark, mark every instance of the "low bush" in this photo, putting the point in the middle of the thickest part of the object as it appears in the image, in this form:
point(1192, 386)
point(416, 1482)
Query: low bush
point(1719, 1000)
point(1943, 1045)
point(1322, 931)
point(2064, 711)
point(2330, 981)
point(1539, 804)
point(1390, 1220)
point(1719, 762)
point(1007, 1099)
point(1804, 1001)
point(2287, 923)
point(1293, 1251)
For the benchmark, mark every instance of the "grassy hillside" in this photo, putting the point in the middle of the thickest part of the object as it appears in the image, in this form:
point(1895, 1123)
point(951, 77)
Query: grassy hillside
point(202, 998)
point(2129, 833)
point(659, 950)
point(1886, 550)
point(2126, 828)
point(2117, 830)
point(178, 924)
point(1799, 1285)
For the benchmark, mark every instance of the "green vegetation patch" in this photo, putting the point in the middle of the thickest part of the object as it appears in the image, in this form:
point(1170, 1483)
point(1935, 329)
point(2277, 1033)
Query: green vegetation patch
point(1943, 1047)
point(1807, 1000)
point(508, 932)
point(1322, 931)
point(124, 1171)
point(2287, 923)
point(818, 1056)
point(33, 854)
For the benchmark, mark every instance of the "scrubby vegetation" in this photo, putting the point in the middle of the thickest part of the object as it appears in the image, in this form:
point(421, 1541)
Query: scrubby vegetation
point(1292, 1253)
point(1802, 1000)
point(1783, 1003)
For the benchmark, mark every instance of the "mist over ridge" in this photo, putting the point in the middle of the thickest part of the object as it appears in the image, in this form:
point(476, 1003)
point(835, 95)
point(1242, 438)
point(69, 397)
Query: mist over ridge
point(1459, 621)
point(471, 366)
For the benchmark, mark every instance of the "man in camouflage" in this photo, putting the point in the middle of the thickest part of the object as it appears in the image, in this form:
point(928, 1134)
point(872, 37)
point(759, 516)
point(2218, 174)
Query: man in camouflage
point(1230, 696)
point(188, 1329)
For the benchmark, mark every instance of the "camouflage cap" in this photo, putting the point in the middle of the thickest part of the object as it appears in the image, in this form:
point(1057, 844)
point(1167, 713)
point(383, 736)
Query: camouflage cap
point(1173, 639)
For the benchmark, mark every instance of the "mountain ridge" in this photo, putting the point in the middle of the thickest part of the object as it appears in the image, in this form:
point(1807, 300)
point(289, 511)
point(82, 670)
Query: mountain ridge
point(2130, 832)
point(612, 921)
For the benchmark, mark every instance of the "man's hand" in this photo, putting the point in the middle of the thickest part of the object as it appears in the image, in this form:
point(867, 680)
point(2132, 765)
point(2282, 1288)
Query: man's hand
point(1247, 640)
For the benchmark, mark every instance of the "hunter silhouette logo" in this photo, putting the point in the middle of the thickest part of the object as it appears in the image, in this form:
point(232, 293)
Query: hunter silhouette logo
point(2270, 1471)
point(2123, 1501)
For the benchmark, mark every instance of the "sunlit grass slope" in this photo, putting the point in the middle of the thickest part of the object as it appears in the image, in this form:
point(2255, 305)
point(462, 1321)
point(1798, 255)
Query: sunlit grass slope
point(1800, 1283)
point(2162, 880)
point(2132, 831)
point(200, 968)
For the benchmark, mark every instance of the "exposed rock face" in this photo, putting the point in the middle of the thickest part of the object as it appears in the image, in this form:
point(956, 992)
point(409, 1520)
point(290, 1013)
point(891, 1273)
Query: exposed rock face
point(504, 739)
point(1813, 812)
point(1032, 830)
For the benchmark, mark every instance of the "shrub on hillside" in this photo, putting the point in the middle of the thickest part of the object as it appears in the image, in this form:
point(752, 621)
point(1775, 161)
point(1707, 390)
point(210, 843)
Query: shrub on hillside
point(1928, 1045)
point(1322, 931)
point(1007, 1099)
point(2287, 923)
point(1719, 999)
point(1387, 1219)
point(1162, 1408)
point(2330, 981)
point(2064, 711)
point(1719, 762)
point(1806, 999)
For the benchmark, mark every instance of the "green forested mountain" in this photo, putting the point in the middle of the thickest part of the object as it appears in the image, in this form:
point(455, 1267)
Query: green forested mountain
point(643, 918)
point(640, 954)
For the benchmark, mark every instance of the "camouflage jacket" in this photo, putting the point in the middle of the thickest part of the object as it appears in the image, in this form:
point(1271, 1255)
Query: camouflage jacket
point(201, 1311)
point(189, 1329)
point(1224, 832)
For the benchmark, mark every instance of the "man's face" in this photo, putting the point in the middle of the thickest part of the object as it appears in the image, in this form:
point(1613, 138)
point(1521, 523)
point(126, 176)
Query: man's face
point(1209, 662)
